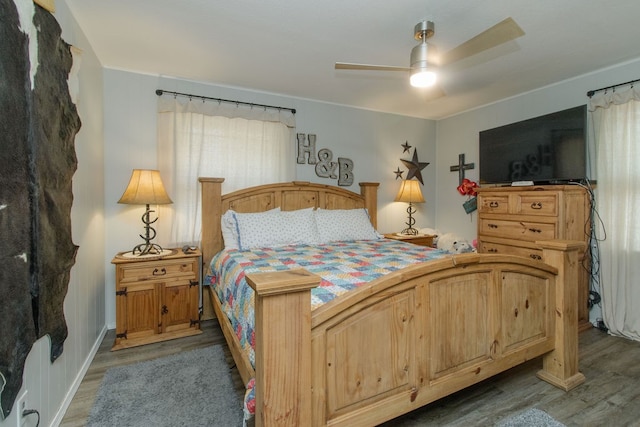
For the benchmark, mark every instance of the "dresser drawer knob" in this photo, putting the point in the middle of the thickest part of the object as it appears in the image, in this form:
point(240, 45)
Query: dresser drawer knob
point(160, 272)
point(535, 230)
point(492, 250)
point(492, 226)
point(493, 204)
point(536, 205)
point(535, 256)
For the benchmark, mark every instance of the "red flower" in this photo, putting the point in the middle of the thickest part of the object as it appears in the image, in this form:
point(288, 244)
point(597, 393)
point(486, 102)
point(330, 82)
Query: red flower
point(467, 188)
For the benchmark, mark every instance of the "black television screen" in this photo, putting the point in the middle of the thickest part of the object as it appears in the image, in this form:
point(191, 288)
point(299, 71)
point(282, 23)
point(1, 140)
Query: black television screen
point(546, 149)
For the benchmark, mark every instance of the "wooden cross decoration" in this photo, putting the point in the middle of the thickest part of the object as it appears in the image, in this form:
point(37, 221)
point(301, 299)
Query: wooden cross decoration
point(461, 167)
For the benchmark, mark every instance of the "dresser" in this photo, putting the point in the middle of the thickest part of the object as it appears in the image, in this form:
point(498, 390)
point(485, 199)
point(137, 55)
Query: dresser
point(157, 299)
point(512, 219)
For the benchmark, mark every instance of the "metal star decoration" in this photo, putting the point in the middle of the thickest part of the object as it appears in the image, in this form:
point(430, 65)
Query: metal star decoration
point(406, 146)
point(415, 167)
point(398, 173)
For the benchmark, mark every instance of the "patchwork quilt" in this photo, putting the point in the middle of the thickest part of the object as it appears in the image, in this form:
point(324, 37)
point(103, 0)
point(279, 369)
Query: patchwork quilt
point(343, 266)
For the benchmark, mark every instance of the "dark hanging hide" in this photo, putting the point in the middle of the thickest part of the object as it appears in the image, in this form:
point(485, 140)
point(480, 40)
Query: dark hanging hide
point(37, 160)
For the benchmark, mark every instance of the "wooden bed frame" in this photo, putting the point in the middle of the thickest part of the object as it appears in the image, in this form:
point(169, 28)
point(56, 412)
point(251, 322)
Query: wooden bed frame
point(404, 340)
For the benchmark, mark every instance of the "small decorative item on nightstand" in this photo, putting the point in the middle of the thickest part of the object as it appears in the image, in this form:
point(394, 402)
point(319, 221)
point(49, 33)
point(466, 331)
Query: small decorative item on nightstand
point(157, 298)
point(410, 193)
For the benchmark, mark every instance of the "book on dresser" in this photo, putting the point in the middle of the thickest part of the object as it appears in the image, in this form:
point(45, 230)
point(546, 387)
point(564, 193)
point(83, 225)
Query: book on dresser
point(512, 219)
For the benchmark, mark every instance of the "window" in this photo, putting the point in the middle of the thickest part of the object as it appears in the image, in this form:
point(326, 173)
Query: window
point(245, 146)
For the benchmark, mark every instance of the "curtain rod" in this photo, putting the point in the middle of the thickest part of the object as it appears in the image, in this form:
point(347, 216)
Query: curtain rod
point(160, 92)
point(592, 92)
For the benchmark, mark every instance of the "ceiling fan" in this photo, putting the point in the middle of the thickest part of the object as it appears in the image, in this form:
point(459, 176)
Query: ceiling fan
point(425, 60)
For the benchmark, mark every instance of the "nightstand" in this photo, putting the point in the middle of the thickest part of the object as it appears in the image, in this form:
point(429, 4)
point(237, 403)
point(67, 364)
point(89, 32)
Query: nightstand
point(418, 239)
point(157, 298)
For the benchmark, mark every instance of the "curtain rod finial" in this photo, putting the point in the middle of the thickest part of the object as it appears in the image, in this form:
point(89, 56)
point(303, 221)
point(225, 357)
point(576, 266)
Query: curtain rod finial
point(159, 92)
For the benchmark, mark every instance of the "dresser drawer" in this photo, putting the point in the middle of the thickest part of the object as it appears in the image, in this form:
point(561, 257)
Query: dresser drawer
point(491, 203)
point(157, 271)
point(538, 204)
point(523, 230)
point(498, 248)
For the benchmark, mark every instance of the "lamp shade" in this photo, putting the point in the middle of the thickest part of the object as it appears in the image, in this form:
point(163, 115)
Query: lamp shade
point(410, 192)
point(145, 188)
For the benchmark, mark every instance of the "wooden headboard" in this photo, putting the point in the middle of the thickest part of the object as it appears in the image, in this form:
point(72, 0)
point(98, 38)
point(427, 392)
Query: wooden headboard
point(287, 196)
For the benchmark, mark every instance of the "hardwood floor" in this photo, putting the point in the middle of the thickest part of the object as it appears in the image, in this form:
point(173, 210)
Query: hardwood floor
point(609, 397)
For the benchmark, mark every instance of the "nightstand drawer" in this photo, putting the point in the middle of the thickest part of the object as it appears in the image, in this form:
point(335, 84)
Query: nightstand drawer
point(157, 271)
point(530, 231)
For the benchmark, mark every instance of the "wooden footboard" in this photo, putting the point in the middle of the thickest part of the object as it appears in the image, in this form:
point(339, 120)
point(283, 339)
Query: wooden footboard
point(413, 337)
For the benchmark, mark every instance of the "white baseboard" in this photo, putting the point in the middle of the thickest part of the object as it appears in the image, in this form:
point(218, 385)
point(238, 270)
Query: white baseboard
point(78, 380)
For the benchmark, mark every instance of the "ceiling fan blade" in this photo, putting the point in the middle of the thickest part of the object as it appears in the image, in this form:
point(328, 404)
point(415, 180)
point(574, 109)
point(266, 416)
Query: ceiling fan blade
point(367, 67)
point(500, 33)
point(433, 93)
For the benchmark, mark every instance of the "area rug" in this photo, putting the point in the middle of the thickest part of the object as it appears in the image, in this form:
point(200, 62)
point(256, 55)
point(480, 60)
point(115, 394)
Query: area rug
point(191, 388)
point(531, 418)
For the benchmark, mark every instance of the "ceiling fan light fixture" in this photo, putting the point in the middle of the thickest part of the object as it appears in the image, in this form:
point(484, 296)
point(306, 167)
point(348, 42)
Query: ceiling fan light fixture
point(423, 78)
point(422, 74)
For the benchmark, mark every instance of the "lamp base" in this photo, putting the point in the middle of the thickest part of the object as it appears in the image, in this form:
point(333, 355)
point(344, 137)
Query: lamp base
point(410, 231)
point(147, 248)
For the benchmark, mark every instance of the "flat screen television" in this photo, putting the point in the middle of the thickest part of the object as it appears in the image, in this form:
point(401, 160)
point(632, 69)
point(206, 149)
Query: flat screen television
point(550, 149)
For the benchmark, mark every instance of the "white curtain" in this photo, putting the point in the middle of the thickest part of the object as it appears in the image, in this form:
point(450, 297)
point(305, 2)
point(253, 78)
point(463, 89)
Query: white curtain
point(244, 145)
point(616, 122)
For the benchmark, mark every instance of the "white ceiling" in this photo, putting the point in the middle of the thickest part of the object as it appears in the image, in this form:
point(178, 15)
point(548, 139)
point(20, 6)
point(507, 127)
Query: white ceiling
point(290, 47)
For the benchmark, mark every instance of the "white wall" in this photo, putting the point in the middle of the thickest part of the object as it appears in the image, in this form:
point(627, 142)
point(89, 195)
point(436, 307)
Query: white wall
point(459, 134)
point(48, 385)
point(371, 139)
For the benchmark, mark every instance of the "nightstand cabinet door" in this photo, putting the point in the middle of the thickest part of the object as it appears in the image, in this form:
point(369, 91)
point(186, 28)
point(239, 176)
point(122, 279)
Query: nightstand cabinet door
point(179, 306)
point(137, 307)
point(156, 299)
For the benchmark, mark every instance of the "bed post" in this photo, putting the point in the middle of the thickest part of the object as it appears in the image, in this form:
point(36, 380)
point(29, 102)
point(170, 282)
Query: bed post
point(560, 366)
point(283, 346)
point(369, 190)
point(211, 214)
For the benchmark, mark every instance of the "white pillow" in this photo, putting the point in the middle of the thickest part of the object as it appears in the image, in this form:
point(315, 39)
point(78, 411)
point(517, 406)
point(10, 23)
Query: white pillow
point(277, 229)
point(230, 228)
point(345, 224)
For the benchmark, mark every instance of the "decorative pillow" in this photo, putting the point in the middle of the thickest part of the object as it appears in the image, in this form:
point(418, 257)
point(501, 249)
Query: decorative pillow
point(230, 228)
point(276, 229)
point(345, 224)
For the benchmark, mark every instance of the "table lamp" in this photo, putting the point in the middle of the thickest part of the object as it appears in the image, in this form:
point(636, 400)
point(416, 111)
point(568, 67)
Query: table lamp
point(410, 193)
point(146, 188)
